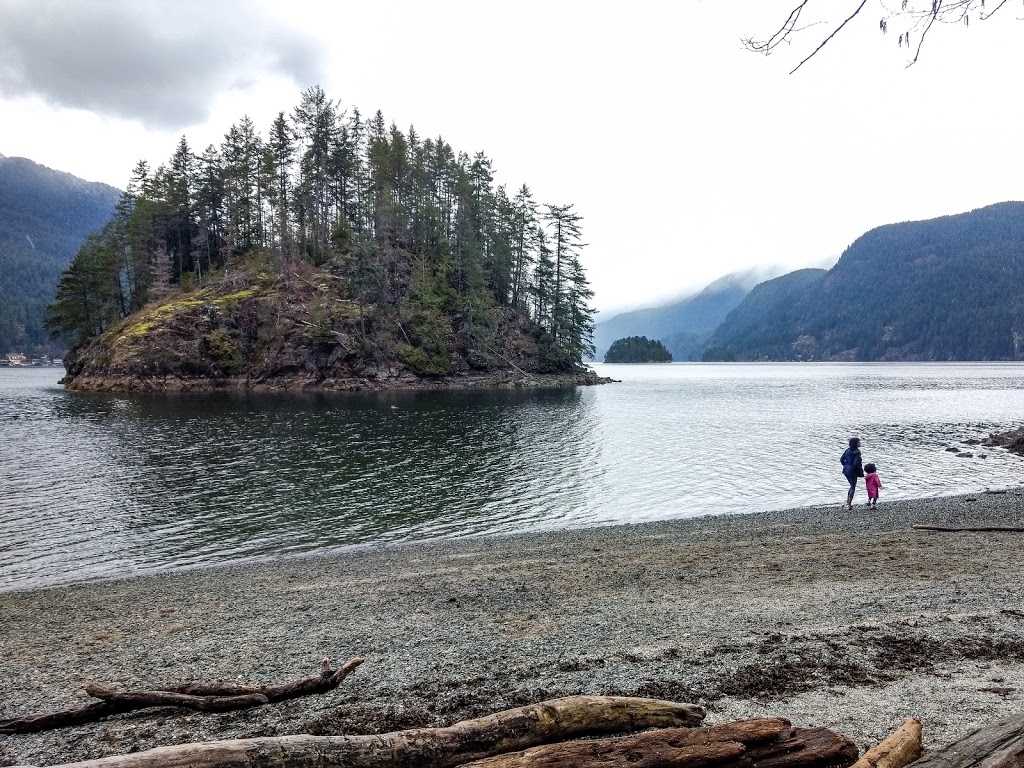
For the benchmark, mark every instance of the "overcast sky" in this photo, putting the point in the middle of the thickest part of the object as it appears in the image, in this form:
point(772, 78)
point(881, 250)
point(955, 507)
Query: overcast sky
point(687, 156)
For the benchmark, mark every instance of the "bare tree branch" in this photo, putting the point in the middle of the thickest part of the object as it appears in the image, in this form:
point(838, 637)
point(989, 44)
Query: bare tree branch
point(919, 18)
point(936, 6)
point(834, 33)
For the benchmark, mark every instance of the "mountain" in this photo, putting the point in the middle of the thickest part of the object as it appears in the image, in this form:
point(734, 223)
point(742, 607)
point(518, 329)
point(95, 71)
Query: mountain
point(44, 217)
point(950, 288)
point(683, 326)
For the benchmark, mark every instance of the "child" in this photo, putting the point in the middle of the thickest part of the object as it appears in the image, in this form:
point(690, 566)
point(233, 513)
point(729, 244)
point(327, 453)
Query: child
point(873, 484)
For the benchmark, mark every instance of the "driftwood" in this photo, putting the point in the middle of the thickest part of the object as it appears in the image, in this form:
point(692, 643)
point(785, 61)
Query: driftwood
point(514, 729)
point(143, 699)
point(995, 746)
point(207, 697)
point(645, 750)
point(668, 746)
point(897, 750)
point(761, 743)
point(984, 528)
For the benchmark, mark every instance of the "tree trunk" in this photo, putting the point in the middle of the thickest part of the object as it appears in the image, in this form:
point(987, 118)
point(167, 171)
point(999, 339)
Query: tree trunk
point(514, 729)
point(995, 746)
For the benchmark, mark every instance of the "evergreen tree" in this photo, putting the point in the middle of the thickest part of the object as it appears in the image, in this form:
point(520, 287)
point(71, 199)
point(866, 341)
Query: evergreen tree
point(419, 236)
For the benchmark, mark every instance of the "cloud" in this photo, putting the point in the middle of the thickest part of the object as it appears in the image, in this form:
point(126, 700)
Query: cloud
point(161, 62)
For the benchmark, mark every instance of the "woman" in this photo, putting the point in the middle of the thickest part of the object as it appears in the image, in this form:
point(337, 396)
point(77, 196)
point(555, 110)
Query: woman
point(852, 468)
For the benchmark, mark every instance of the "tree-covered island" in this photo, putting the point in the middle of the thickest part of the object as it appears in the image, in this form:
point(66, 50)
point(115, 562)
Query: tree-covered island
point(339, 253)
point(637, 349)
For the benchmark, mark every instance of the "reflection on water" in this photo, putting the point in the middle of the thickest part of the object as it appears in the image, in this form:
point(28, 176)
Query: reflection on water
point(100, 485)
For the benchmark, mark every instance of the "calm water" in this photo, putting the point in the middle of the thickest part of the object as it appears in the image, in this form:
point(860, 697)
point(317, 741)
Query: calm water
point(100, 485)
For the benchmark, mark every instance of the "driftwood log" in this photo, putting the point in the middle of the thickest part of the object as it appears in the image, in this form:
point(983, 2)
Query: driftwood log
point(206, 697)
point(758, 743)
point(995, 746)
point(979, 528)
point(897, 750)
point(511, 730)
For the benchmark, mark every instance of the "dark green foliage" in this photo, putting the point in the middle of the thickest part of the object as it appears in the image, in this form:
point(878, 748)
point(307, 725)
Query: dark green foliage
point(637, 349)
point(950, 288)
point(44, 217)
point(417, 236)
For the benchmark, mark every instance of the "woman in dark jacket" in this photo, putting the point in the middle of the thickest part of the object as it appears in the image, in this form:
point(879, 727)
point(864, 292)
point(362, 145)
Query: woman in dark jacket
point(852, 468)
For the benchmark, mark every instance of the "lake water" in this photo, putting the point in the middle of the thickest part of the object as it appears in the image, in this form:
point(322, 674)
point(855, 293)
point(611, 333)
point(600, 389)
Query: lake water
point(94, 486)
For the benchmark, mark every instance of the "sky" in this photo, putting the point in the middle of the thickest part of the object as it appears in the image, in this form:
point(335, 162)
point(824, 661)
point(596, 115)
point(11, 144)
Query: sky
point(688, 156)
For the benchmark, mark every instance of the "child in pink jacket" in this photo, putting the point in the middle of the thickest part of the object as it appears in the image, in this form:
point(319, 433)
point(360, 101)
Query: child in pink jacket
point(872, 483)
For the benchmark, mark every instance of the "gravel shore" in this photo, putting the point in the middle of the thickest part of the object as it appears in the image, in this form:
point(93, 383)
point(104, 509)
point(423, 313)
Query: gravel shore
point(847, 619)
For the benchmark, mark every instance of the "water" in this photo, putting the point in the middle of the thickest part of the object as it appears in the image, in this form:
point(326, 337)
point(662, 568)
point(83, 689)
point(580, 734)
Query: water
point(95, 486)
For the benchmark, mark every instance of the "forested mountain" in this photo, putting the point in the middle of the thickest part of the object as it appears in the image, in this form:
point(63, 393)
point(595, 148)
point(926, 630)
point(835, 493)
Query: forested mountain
point(338, 251)
point(683, 326)
point(44, 217)
point(950, 288)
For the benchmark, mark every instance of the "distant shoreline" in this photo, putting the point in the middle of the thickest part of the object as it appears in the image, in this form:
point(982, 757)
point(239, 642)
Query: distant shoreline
point(851, 620)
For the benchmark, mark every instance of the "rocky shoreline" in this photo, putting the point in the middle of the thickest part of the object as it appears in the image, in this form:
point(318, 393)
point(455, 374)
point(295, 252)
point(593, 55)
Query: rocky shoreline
point(850, 620)
point(396, 380)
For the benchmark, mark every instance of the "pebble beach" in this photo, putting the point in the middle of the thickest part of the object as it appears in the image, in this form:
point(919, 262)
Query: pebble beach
point(852, 620)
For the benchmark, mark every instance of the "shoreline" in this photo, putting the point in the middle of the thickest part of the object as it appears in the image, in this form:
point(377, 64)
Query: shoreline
point(850, 620)
point(395, 381)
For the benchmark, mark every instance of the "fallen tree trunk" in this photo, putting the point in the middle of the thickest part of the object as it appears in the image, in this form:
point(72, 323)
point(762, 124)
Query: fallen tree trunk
point(897, 750)
point(668, 746)
point(769, 743)
point(982, 528)
point(327, 680)
point(208, 697)
point(995, 746)
point(514, 729)
point(143, 699)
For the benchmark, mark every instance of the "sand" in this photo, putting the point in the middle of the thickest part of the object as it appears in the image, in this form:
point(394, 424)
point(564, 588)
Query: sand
point(846, 619)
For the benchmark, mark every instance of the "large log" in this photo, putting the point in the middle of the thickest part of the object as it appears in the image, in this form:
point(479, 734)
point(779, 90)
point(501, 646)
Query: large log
point(771, 743)
point(897, 750)
point(680, 747)
point(507, 731)
point(642, 751)
point(995, 746)
point(812, 748)
point(209, 697)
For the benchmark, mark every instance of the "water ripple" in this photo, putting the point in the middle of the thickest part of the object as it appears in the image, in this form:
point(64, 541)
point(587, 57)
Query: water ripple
point(98, 485)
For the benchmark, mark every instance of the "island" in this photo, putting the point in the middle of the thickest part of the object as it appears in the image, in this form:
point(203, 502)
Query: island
point(336, 253)
point(637, 349)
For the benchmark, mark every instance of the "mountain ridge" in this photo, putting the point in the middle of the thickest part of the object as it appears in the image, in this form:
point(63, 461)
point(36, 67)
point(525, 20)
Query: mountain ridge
point(45, 215)
point(948, 288)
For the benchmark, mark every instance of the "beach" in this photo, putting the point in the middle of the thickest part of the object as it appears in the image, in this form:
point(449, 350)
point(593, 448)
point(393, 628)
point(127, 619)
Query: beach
point(852, 620)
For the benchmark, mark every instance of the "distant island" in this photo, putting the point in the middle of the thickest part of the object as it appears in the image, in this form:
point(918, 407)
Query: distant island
point(338, 253)
point(637, 349)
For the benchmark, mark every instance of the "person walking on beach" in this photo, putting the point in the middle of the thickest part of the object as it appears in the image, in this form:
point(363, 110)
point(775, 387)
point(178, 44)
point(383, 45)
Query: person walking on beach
point(872, 483)
point(852, 468)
